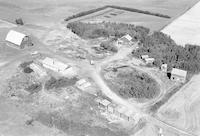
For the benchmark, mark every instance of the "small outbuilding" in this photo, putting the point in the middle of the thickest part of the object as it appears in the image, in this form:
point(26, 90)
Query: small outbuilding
point(164, 68)
point(178, 75)
point(54, 65)
point(19, 39)
point(124, 40)
point(144, 57)
point(149, 61)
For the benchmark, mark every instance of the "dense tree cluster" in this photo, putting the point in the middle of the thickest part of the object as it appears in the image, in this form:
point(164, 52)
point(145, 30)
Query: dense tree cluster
point(84, 13)
point(107, 29)
point(156, 45)
point(165, 50)
point(134, 84)
point(54, 83)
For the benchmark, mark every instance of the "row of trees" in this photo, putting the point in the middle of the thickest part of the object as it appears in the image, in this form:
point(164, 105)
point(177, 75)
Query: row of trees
point(84, 13)
point(107, 29)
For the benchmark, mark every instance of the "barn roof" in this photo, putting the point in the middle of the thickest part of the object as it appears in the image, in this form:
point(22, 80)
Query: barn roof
point(179, 72)
point(15, 37)
point(128, 37)
point(54, 63)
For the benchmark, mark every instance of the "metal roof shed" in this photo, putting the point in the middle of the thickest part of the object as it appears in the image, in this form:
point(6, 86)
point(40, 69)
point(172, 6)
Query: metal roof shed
point(179, 72)
point(15, 37)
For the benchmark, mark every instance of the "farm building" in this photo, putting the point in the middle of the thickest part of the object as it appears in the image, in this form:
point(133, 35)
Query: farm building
point(37, 69)
point(124, 40)
point(83, 84)
point(163, 68)
point(178, 75)
point(103, 102)
point(54, 65)
point(19, 39)
point(149, 61)
point(144, 57)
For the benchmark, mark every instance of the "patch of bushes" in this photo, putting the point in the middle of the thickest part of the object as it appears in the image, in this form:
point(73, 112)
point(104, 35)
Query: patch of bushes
point(25, 67)
point(28, 70)
point(165, 50)
point(19, 21)
point(59, 83)
point(34, 88)
point(84, 13)
point(130, 83)
point(25, 64)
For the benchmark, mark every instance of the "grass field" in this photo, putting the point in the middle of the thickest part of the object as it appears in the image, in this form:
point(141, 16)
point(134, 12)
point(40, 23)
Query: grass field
point(185, 29)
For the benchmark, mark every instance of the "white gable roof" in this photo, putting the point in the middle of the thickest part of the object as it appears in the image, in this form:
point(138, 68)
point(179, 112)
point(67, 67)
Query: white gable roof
point(15, 37)
point(179, 72)
point(54, 63)
point(128, 37)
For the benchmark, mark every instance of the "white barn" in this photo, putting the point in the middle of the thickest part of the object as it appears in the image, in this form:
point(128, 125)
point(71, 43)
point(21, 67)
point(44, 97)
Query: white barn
point(17, 38)
point(54, 65)
point(178, 75)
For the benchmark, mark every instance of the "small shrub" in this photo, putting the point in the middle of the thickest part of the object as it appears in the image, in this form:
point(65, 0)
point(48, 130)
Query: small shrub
point(28, 70)
point(34, 88)
point(19, 21)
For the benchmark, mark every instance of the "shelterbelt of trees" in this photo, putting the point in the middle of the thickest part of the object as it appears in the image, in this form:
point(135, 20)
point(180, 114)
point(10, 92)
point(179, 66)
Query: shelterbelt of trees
point(84, 13)
point(156, 44)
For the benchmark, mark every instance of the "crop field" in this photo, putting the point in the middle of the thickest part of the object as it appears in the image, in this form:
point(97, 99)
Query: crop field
point(122, 16)
point(47, 12)
point(182, 110)
point(185, 29)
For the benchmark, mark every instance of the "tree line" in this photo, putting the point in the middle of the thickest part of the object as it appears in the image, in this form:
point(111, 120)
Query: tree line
point(84, 13)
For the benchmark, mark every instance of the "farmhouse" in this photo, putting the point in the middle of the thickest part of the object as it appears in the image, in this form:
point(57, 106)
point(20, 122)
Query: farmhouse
point(178, 75)
point(54, 65)
point(125, 40)
point(83, 84)
point(103, 102)
point(18, 39)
